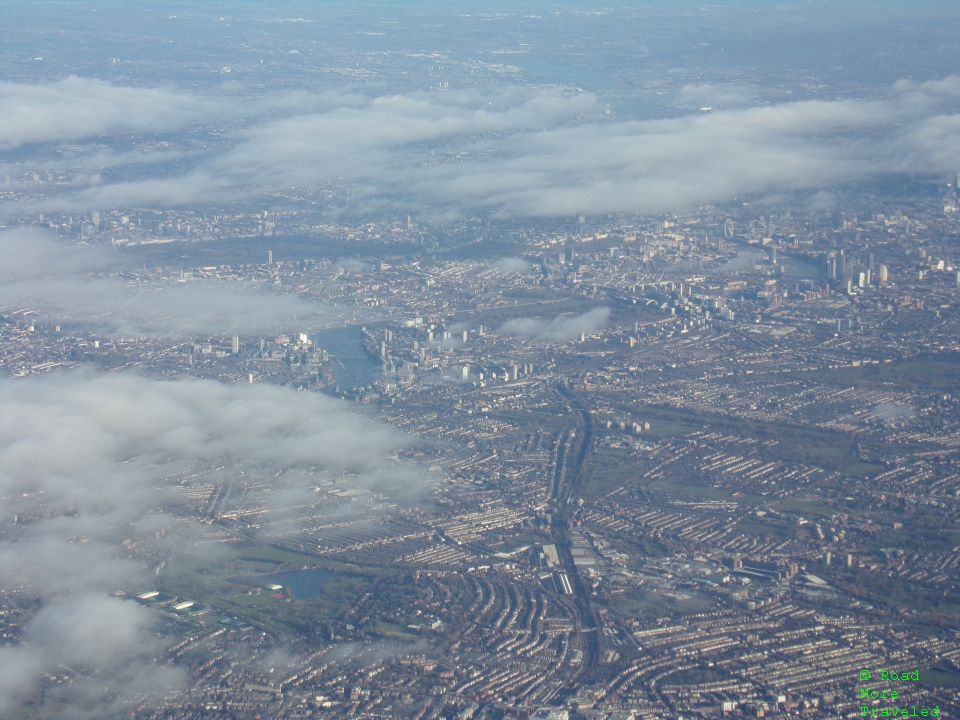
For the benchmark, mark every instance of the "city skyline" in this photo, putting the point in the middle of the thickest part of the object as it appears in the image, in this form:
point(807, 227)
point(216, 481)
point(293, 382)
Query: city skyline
point(539, 361)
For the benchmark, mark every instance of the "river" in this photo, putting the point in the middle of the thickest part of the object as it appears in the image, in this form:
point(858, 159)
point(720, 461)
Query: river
point(794, 267)
point(353, 367)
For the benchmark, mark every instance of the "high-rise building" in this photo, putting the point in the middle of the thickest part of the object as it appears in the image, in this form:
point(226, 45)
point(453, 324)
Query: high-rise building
point(884, 274)
point(235, 345)
point(269, 257)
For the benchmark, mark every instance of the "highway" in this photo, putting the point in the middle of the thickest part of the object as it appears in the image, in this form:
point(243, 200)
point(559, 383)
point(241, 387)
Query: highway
point(567, 483)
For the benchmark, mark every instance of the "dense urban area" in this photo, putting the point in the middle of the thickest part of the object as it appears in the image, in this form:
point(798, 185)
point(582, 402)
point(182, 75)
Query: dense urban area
point(629, 465)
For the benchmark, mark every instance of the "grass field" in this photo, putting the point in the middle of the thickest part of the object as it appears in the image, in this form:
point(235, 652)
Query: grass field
point(218, 588)
point(645, 605)
point(830, 449)
point(934, 373)
point(940, 677)
point(393, 631)
point(609, 469)
point(811, 508)
point(933, 604)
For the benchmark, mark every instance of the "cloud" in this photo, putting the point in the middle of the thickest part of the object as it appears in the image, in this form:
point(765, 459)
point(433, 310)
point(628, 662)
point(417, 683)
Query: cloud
point(189, 190)
point(668, 165)
point(821, 201)
point(79, 285)
point(367, 653)
point(540, 152)
point(717, 96)
point(345, 142)
point(935, 139)
point(110, 643)
point(82, 425)
point(107, 646)
point(891, 413)
point(76, 108)
point(562, 327)
point(948, 87)
point(86, 163)
point(93, 469)
point(509, 265)
point(340, 139)
point(21, 667)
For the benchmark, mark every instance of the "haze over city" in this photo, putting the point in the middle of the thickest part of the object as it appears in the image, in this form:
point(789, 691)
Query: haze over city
point(479, 360)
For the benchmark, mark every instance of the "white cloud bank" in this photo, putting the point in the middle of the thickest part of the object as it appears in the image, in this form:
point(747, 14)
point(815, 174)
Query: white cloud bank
point(77, 108)
point(89, 468)
point(562, 327)
point(535, 152)
point(73, 284)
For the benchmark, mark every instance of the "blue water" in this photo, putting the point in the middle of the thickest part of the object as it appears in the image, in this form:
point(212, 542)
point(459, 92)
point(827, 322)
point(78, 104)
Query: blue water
point(795, 268)
point(353, 367)
point(300, 584)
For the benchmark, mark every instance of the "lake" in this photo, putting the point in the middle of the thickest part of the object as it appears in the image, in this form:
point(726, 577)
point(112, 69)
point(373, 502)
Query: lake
point(299, 584)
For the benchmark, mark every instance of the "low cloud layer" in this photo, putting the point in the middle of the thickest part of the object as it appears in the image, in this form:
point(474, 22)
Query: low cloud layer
point(891, 413)
point(76, 108)
point(73, 284)
point(92, 468)
point(373, 146)
point(562, 327)
point(536, 152)
point(710, 95)
point(509, 265)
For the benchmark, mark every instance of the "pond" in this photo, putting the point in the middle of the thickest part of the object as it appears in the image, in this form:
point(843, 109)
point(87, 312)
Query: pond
point(299, 584)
